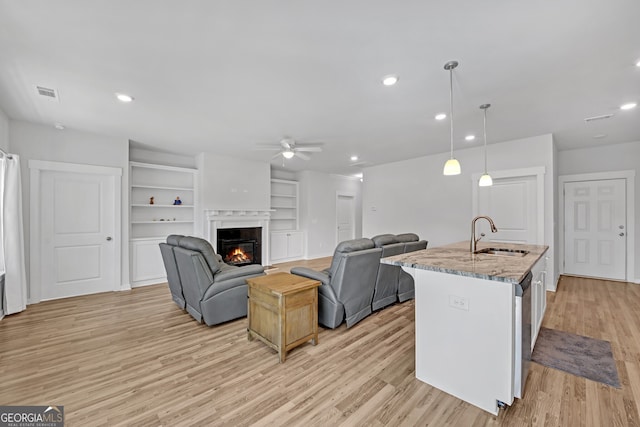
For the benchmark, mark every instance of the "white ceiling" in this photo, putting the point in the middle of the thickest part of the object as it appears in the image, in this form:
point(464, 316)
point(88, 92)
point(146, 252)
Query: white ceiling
point(224, 76)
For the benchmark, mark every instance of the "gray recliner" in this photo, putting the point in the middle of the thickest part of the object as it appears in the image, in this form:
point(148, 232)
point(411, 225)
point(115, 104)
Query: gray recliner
point(386, 288)
point(406, 286)
point(173, 278)
point(348, 284)
point(214, 292)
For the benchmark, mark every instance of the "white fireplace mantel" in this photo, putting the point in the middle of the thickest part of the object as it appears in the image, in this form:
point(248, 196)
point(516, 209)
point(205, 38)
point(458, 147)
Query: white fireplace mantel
point(216, 219)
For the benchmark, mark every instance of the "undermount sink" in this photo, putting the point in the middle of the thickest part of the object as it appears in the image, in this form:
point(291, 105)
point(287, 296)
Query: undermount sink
point(502, 252)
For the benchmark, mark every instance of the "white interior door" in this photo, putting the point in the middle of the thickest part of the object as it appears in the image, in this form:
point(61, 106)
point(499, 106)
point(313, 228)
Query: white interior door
point(512, 204)
point(595, 228)
point(77, 225)
point(346, 214)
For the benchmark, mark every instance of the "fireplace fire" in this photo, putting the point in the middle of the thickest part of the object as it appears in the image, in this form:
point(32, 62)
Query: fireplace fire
point(240, 246)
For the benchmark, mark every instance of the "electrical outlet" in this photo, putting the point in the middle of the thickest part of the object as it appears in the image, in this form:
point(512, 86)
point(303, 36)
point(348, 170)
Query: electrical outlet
point(461, 303)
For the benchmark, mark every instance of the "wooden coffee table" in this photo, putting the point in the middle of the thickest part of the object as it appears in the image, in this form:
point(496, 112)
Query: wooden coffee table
point(283, 311)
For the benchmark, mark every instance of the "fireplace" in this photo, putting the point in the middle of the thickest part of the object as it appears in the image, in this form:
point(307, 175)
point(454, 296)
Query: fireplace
point(240, 246)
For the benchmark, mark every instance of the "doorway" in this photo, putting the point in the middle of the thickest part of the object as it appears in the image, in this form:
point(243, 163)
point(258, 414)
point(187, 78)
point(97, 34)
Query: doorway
point(75, 229)
point(345, 217)
point(597, 225)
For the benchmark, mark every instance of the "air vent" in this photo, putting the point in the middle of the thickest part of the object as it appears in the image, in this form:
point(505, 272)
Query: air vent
point(47, 93)
point(594, 118)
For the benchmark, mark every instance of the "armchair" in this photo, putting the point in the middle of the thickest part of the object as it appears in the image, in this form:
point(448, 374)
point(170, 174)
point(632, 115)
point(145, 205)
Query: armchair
point(173, 278)
point(348, 284)
point(214, 292)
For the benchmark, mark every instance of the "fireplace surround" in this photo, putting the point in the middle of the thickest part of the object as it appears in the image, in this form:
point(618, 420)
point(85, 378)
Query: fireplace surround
point(217, 220)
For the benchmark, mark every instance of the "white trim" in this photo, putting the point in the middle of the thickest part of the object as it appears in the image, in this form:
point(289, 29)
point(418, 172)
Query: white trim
point(629, 177)
point(35, 168)
point(74, 167)
point(538, 172)
point(339, 194)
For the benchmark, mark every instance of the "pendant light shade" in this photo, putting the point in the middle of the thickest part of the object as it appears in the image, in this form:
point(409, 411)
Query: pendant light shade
point(452, 166)
point(485, 179)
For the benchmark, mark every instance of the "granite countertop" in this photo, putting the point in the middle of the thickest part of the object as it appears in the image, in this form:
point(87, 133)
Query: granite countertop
point(457, 259)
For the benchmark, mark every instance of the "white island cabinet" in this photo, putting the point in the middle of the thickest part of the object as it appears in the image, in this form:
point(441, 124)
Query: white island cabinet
point(465, 315)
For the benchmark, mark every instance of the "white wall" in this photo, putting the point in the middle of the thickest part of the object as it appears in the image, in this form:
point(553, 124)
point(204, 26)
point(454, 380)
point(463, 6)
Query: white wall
point(318, 193)
point(607, 158)
point(231, 183)
point(161, 158)
point(37, 142)
point(4, 144)
point(414, 196)
point(4, 131)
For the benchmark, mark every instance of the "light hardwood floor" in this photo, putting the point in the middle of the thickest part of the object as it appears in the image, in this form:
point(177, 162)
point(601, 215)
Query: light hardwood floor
point(134, 358)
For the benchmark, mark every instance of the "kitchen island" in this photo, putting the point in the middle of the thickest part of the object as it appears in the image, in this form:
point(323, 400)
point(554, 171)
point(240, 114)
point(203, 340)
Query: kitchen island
point(465, 311)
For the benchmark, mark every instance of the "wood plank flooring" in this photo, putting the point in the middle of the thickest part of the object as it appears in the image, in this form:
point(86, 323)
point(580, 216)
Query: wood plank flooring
point(135, 359)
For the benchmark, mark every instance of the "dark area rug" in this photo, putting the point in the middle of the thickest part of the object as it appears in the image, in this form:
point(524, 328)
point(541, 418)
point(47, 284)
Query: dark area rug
point(582, 356)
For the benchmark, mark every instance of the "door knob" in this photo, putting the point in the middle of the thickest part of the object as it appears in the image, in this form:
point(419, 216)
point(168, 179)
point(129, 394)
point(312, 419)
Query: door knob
point(621, 234)
point(621, 227)
point(109, 238)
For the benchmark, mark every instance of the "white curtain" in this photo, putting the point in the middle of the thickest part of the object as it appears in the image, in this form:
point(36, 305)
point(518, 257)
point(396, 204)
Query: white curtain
point(12, 236)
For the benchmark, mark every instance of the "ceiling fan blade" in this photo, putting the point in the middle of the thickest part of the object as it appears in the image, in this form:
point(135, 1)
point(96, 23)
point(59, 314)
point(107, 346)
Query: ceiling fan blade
point(277, 155)
point(308, 149)
point(302, 156)
point(267, 149)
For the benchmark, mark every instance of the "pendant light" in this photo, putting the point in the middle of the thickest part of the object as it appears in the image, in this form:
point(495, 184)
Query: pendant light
point(452, 166)
point(485, 179)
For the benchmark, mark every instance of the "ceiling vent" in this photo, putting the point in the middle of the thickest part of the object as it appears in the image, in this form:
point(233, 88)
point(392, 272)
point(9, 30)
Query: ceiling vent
point(594, 118)
point(51, 94)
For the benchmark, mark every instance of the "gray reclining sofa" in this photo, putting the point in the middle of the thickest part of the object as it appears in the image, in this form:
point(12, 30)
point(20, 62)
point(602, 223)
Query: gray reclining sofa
point(212, 291)
point(348, 284)
point(393, 283)
point(357, 283)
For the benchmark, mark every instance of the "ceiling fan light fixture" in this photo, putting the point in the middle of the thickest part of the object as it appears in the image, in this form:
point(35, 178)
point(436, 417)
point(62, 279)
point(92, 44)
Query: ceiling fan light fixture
point(288, 154)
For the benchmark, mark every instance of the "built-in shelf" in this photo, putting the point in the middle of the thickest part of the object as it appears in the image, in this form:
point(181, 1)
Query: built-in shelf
point(164, 184)
point(284, 204)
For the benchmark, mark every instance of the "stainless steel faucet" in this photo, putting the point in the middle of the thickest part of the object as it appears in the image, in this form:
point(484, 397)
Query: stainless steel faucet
point(474, 241)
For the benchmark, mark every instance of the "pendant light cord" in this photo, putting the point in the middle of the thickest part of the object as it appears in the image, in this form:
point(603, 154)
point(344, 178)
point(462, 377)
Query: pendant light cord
point(485, 141)
point(451, 106)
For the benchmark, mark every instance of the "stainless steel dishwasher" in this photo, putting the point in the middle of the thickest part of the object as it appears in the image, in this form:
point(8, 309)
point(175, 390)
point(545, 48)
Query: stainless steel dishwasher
point(522, 354)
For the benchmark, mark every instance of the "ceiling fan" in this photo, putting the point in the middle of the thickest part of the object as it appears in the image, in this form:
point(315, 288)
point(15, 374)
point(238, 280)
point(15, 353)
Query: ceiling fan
point(289, 148)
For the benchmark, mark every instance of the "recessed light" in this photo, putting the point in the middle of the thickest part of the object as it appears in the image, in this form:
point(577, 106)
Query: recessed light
point(599, 136)
point(441, 116)
point(638, 64)
point(123, 97)
point(59, 126)
point(628, 106)
point(390, 80)
point(354, 158)
point(470, 137)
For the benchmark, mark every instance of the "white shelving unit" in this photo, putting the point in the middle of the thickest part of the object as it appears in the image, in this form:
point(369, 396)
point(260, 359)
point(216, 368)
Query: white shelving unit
point(152, 223)
point(287, 242)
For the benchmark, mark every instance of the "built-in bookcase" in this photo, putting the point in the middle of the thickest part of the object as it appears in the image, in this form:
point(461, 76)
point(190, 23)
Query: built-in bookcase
point(151, 223)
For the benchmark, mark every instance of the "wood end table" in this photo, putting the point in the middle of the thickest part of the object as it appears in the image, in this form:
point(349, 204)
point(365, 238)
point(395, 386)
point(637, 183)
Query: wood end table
point(283, 311)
